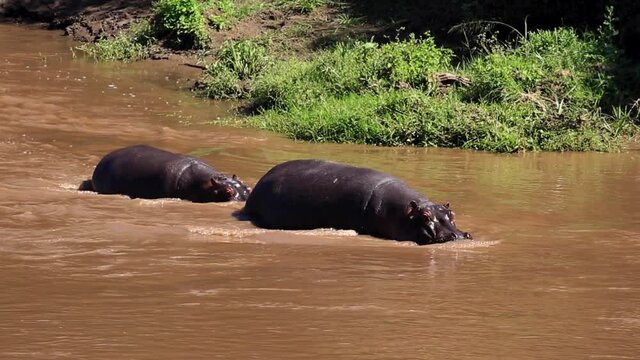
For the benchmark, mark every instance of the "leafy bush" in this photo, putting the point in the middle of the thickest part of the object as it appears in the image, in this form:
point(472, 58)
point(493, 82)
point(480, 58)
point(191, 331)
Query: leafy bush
point(180, 23)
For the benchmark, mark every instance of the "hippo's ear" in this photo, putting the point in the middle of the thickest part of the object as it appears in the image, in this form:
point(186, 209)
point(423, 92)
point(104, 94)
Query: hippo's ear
point(412, 209)
point(214, 182)
point(447, 205)
point(234, 177)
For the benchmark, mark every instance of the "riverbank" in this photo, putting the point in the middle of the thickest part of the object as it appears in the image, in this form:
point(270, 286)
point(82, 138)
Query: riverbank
point(84, 20)
point(315, 71)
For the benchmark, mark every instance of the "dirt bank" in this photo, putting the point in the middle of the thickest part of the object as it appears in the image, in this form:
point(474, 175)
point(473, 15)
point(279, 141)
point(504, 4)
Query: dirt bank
point(84, 20)
point(290, 33)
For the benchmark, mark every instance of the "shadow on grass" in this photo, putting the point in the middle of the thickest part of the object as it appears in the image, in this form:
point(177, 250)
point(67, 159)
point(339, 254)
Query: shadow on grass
point(438, 16)
point(396, 19)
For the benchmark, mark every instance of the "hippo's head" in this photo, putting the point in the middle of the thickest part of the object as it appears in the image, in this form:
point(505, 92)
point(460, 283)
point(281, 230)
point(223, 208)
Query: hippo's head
point(223, 188)
point(242, 190)
point(435, 223)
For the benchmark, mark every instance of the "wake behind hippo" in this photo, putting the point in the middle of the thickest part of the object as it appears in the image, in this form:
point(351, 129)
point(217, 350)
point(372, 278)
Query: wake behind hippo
point(142, 171)
point(311, 194)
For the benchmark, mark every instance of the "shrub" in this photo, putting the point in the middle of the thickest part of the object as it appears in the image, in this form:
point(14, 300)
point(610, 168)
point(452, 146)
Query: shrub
point(180, 23)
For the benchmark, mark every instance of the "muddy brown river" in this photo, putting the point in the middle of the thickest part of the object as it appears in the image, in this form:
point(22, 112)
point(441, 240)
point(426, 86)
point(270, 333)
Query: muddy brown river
point(553, 271)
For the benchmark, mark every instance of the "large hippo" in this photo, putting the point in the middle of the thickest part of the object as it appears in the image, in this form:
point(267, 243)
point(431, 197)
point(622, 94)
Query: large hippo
point(310, 194)
point(142, 171)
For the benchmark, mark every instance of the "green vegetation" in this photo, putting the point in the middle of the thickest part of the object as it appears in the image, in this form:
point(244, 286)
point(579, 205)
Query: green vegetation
point(237, 64)
point(548, 91)
point(301, 6)
point(356, 68)
point(180, 23)
point(131, 45)
point(409, 117)
point(230, 12)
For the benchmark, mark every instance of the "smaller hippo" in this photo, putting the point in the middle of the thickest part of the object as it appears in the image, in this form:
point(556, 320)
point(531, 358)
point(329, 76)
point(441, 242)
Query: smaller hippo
point(142, 171)
point(311, 194)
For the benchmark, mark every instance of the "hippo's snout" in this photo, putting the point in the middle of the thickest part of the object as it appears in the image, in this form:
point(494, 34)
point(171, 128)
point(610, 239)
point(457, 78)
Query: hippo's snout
point(455, 236)
point(461, 236)
point(230, 192)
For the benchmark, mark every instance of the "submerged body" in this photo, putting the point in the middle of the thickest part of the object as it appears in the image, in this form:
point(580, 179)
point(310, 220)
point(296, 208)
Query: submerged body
point(142, 171)
point(310, 194)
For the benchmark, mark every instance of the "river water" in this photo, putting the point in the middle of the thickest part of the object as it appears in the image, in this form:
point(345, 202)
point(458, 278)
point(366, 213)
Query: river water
point(552, 273)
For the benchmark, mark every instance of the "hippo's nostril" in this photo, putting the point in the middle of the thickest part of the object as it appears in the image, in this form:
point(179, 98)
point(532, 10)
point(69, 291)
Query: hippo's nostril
point(468, 236)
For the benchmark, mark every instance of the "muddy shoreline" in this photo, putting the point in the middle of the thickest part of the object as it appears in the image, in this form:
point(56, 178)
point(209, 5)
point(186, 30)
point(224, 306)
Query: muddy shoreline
point(85, 20)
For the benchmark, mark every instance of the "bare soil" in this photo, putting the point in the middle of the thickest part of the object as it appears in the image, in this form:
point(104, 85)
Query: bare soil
point(290, 33)
point(84, 20)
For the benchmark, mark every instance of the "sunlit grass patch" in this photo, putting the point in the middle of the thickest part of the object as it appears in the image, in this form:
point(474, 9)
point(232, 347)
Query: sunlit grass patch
point(409, 117)
point(229, 12)
point(545, 92)
point(237, 64)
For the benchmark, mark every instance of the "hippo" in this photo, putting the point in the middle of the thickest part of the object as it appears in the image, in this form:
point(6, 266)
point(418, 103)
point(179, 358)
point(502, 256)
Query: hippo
point(142, 171)
point(311, 194)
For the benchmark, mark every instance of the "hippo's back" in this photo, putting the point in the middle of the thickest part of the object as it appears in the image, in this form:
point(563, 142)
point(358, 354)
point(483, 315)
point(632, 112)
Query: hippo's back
point(139, 171)
point(308, 194)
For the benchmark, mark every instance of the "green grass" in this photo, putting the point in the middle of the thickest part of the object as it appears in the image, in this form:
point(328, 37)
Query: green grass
point(230, 12)
point(237, 64)
point(546, 92)
point(549, 90)
point(410, 117)
point(360, 67)
point(301, 6)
